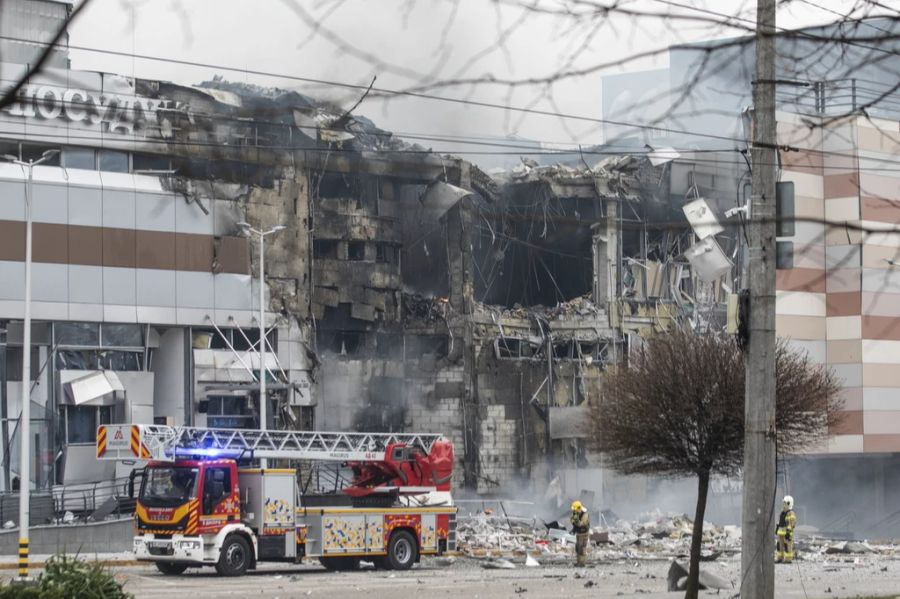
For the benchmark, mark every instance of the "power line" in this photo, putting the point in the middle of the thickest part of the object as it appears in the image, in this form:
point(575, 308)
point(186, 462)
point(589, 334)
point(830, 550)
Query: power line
point(430, 97)
point(416, 94)
point(419, 136)
point(433, 152)
point(399, 93)
point(798, 32)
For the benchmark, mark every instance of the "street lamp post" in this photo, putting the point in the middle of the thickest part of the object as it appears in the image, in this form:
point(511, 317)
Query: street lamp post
point(25, 417)
point(262, 321)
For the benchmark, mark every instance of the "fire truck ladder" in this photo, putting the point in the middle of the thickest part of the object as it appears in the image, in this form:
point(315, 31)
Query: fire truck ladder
point(167, 443)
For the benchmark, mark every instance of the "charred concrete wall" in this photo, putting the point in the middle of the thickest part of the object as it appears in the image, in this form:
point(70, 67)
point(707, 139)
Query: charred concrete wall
point(287, 253)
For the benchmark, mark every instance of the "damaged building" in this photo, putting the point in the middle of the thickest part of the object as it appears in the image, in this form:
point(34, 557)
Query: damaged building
point(407, 291)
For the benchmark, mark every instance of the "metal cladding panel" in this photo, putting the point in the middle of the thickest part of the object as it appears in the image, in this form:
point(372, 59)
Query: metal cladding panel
point(119, 286)
point(50, 203)
point(85, 284)
point(155, 211)
point(50, 282)
point(155, 287)
point(195, 289)
point(118, 209)
point(13, 276)
point(232, 292)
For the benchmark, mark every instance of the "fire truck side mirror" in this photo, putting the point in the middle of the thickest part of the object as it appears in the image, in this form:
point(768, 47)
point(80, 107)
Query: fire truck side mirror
point(129, 486)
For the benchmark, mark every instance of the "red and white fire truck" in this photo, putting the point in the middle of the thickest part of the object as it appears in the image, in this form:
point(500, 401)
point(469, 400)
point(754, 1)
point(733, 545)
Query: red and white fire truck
point(201, 503)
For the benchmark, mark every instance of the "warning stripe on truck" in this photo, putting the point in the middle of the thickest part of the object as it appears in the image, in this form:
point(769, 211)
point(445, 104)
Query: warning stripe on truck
point(101, 442)
point(137, 446)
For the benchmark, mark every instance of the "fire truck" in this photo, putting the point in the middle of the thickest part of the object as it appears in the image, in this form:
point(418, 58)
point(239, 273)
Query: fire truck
point(200, 501)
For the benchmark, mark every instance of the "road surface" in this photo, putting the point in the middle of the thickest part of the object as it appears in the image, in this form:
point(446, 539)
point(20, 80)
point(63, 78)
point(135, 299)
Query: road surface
point(467, 579)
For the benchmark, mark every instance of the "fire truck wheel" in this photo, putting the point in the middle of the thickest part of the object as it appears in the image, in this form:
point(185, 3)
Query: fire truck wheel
point(170, 569)
point(234, 559)
point(402, 550)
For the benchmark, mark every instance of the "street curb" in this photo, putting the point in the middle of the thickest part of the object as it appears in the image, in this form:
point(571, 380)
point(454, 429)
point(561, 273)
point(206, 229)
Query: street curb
point(108, 563)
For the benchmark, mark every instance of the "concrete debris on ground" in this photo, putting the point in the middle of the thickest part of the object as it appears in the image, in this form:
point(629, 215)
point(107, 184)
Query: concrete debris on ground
point(652, 536)
point(498, 564)
point(678, 575)
point(849, 547)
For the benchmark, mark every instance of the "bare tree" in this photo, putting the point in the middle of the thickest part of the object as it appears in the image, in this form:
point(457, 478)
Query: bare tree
point(678, 410)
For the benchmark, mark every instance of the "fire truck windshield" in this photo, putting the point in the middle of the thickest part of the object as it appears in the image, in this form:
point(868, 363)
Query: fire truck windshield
point(168, 486)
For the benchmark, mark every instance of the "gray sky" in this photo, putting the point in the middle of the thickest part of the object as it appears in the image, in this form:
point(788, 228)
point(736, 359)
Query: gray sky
point(406, 35)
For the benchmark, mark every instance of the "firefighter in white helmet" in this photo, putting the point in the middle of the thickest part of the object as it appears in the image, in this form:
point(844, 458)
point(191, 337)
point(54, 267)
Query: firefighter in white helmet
point(785, 531)
point(581, 527)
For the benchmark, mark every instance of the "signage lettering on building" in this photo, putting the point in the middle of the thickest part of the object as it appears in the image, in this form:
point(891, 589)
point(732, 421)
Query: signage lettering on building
point(113, 113)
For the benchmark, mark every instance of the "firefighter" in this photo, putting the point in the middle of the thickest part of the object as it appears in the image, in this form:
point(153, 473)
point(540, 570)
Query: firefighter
point(581, 526)
point(785, 531)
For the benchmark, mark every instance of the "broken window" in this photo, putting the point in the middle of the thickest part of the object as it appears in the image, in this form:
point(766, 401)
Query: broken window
point(82, 158)
point(122, 335)
point(14, 363)
point(436, 345)
point(325, 248)
point(543, 256)
point(79, 334)
point(192, 168)
point(334, 185)
point(150, 162)
point(209, 339)
point(113, 161)
point(239, 339)
point(99, 359)
point(82, 422)
point(247, 339)
point(563, 349)
point(515, 348)
point(389, 345)
point(340, 342)
point(36, 152)
point(356, 250)
point(230, 411)
point(369, 192)
point(385, 254)
point(9, 148)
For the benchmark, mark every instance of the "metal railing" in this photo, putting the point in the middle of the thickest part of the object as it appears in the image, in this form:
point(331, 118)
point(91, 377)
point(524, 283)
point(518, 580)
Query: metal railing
point(82, 500)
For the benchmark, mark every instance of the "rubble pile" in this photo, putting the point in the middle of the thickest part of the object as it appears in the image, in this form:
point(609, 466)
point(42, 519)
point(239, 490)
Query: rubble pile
point(502, 540)
point(427, 309)
point(655, 535)
point(578, 306)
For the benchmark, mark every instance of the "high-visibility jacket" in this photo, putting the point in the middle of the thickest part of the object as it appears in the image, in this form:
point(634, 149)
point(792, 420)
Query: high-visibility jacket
point(786, 523)
point(581, 522)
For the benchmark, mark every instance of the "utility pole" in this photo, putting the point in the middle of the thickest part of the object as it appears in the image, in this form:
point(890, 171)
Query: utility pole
point(757, 553)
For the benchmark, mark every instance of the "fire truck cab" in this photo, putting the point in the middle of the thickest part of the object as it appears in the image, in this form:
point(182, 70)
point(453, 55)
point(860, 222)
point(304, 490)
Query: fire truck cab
point(212, 508)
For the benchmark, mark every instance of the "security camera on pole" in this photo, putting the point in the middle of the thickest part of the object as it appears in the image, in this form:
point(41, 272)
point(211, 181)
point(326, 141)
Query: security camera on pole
point(248, 230)
point(25, 417)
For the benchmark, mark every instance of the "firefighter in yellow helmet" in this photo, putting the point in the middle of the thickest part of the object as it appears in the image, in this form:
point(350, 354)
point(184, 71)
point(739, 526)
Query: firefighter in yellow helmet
point(785, 531)
point(581, 526)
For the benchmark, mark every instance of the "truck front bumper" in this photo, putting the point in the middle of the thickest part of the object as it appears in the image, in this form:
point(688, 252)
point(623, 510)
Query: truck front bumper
point(178, 548)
